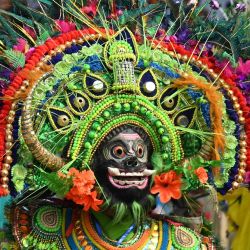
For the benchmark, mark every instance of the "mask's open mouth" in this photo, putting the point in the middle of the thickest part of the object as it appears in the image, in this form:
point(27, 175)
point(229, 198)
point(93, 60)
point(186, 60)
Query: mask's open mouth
point(121, 179)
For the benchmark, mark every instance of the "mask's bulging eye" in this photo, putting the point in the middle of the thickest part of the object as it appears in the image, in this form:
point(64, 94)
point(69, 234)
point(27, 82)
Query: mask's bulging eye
point(140, 151)
point(119, 152)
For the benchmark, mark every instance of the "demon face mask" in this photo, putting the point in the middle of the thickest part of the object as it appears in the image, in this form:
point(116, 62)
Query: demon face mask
point(122, 165)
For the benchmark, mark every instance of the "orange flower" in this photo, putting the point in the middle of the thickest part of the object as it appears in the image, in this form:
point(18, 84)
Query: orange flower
point(201, 173)
point(83, 181)
point(90, 201)
point(168, 185)
point(81, 192)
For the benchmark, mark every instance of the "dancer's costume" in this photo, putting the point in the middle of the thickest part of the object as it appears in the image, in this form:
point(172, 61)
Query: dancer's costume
point(98, 122)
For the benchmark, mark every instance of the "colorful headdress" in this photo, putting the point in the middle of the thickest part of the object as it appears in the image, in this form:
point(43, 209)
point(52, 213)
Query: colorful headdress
point(75, 88)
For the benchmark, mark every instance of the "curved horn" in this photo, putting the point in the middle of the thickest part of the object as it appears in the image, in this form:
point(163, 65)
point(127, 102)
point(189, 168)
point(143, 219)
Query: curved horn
point(43, 155)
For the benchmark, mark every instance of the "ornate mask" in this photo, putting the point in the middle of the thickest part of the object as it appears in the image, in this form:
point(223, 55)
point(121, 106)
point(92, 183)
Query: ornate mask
point(122, 165)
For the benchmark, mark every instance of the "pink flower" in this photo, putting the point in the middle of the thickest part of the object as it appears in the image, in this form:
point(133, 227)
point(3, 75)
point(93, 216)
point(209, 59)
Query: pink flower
point(90, 8)
point(226, 68)
point(21, 46)
point(65, 26)
point(243, 68)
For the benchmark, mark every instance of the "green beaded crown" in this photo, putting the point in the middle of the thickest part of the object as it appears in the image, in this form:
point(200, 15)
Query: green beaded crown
point(82, 90)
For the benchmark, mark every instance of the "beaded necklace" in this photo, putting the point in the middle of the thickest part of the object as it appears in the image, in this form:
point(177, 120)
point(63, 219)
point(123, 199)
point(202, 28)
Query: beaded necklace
point(149, 236)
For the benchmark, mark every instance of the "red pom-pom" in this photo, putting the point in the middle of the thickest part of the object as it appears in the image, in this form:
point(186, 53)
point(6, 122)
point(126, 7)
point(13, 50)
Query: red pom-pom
point(60, 40)
point(3, 192)
point(9, 92)
point(28, 67)
point(51, 43)
point(24, 73)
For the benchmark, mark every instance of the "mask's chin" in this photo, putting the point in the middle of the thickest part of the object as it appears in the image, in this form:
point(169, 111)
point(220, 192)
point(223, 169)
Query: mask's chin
point(122, 179)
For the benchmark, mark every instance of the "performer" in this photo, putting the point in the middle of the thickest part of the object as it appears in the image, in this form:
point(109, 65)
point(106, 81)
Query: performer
point(98, 124)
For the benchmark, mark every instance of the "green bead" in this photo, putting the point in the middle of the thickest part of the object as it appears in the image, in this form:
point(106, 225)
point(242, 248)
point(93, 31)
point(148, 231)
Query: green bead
point(134, 104)
point(101, 120)
point(143, 110)
point(96, 126)
point(87, 145)
point(117, 107)
point(158, 124)
point(25, 242)
point(126, 106)
point(86, 66)
point(161, 131)
point(164, 139)
point(136, 108)
point(149, 114)
point(92, 134)
point(165, 156)
point(106, 114)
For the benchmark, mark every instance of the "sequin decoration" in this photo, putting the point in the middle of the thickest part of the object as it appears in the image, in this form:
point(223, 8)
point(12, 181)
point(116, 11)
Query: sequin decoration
point(184, 238)
point(48, 219)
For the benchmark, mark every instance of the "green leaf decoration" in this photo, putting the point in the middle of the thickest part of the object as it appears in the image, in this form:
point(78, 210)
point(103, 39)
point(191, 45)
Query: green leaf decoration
point(129, 15)
point(16, 58)
point(18, 173)
point(17, 17)
point(196, 162)
point(43, 37)
point(12, 34)
point(56, 184)
point(157, 161)
point(48, 2)
point(66, 167)
point(185, 185)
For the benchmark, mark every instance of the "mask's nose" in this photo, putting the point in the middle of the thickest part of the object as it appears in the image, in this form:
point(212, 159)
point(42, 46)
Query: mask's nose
point(131, 162)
